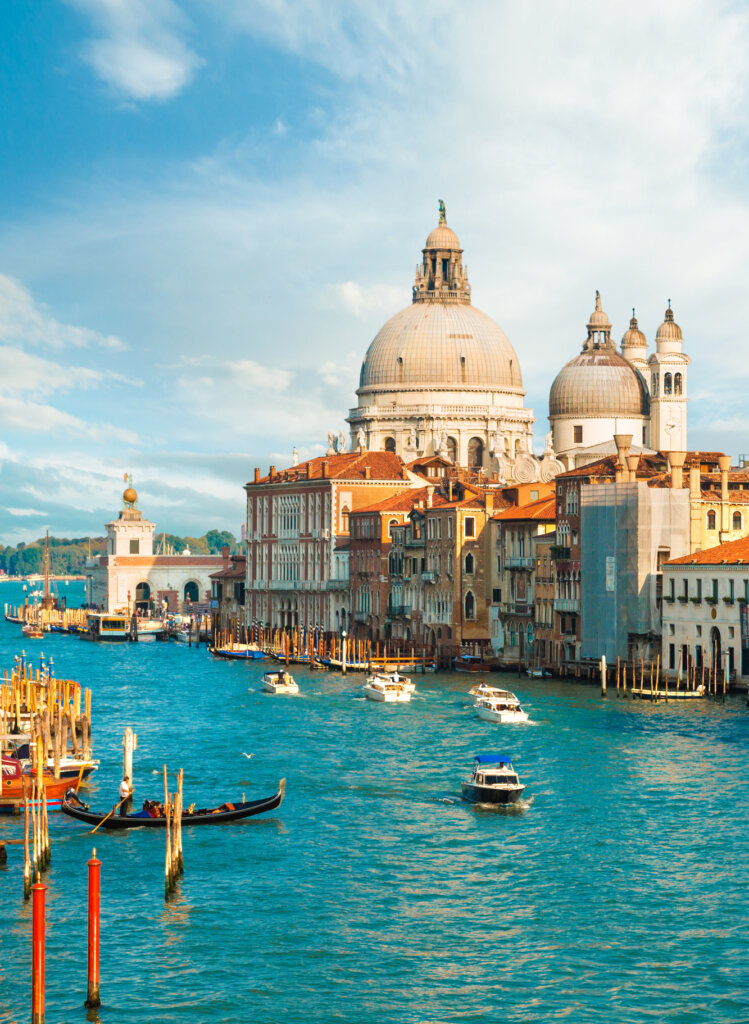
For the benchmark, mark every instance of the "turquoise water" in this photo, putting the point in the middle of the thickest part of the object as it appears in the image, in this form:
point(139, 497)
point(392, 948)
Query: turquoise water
point(375, 894)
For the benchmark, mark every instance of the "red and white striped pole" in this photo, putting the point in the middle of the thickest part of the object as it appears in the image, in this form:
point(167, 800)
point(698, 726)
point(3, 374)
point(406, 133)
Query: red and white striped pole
point(38, 891)
point(94, 899)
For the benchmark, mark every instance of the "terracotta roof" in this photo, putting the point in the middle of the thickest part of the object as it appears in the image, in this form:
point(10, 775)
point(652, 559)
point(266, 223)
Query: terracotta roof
point(732, 552)
point(237, 570)
point(348, 466)
point(650, 467)
point(734, 497)
point(542, 509)
point(406, 501)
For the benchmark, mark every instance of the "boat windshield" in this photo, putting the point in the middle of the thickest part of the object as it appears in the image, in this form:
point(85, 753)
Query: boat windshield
point(500, 780)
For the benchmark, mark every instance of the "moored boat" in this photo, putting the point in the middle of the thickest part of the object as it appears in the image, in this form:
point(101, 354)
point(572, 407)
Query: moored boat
point(13, 778)
point(105, 626)
point(70, 767)
point(150, 818)
point(32, 632)
point(279, 682)
point(470, 663)
point(493, 781)
point(244, 652)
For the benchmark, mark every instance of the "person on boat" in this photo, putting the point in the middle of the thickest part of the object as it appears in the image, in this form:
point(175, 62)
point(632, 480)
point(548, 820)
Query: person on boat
point(126, 795)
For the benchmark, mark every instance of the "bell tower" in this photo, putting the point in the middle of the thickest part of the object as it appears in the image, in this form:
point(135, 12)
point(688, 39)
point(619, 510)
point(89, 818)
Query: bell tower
point(668, 388)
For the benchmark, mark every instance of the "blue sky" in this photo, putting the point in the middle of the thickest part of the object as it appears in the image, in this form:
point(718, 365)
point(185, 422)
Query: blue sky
point(211, 207)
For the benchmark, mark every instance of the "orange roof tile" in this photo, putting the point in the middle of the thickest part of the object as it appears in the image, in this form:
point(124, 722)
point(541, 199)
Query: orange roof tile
point(347, 466)
point(732, 552)
point(542, 508)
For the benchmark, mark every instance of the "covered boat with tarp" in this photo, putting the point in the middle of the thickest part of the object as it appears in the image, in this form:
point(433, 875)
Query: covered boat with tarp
point(150, 817)
point(493, 781)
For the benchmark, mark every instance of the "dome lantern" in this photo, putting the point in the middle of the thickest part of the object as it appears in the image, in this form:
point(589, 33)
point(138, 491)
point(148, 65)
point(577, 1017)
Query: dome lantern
point(599, 329)
point(441, 276)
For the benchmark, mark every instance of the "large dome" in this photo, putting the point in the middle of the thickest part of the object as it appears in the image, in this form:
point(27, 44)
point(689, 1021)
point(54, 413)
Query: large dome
point(446, 345)
point(598, 382)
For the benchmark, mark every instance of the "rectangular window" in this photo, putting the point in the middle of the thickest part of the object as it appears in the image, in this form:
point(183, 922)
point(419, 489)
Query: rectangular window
point(534, 495)
point(699, 631)
point(686, 588)
point(715, 590)
point(672, 655)
point(469, 526)
point(577, 435)
point(134, 547)
point(730, 589)
point(671, 593)
point(499, 564)
point(746, 591)
point(699, 589)
point(497, 595)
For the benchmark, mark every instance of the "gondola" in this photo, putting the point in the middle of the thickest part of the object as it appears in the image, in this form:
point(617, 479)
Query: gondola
point(75, 808)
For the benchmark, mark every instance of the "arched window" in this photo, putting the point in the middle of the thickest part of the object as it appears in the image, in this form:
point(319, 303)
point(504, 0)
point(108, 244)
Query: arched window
point(142, 594)
point(345, 511)
point(390, 444)
point(677, 383)
point(475, 453)
point(400, 369)
point(667, 388)
point(452, 449)
point(711, 519)
point(391, 524)
point(469, 564)
point(737, 521)
point(192, 593)
point(470, 606)
point(654, 384)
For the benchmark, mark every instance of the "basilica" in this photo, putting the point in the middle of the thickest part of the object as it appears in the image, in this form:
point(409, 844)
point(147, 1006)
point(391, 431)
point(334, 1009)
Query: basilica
point(442, 379)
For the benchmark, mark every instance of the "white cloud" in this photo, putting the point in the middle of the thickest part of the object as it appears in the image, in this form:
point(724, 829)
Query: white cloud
point(25, 512)
point(29, 417)
point(362, 300)
point(140, 51)
point(25, 321)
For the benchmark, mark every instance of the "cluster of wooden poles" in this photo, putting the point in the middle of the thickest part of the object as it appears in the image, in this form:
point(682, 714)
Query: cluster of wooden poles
point(35, 703)
point(654, 683)
point(67, 620)
point(37, 852)
point(174, 864)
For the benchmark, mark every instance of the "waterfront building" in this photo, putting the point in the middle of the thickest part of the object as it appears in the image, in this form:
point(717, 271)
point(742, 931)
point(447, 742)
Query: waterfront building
point(545, 654)
point(705, 600)
point(513, 573)
point(603, 392)
point(298, 533)
point(441, 378)
point(228, 604)
point(131, 577)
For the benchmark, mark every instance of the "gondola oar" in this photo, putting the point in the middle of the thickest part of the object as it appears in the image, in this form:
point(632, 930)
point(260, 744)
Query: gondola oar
point(111, 813)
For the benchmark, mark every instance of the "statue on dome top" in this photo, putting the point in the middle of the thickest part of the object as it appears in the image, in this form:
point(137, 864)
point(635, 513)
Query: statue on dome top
point(443, 212)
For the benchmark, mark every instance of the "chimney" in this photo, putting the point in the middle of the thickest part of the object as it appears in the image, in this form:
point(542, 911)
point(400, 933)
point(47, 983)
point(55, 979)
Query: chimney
point(633, 461)
point(450, 490)
point(225, 555)
point(271, 472)
point(307, 467)
point(724, 463)
point(695, 483)
point(623, 443)
point(367, 472)
point(325, 465)
point(489, 502)
point(676, 464)
point(257, 475)
point(430, 495)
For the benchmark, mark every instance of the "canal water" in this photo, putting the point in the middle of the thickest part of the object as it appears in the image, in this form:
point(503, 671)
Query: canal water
point(374, 895)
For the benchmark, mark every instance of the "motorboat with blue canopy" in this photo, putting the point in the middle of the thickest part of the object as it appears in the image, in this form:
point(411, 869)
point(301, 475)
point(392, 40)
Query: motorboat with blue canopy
point(493, 781)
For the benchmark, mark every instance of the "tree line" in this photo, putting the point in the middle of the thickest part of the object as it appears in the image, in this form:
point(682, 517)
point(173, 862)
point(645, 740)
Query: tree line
point(68, 555)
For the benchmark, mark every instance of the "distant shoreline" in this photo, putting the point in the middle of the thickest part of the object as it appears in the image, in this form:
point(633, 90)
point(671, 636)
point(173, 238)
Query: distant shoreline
point(36, 579)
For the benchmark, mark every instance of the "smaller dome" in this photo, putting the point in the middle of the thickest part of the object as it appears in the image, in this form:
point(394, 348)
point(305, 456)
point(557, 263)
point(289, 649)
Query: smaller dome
point(669, 329)
point(442, 237)
point(634, 338)
point(598, 382)
point(130, 495)
point(598, 318)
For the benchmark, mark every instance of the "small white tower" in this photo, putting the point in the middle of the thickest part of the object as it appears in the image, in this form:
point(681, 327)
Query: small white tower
point(668, 388)
point(130, 533)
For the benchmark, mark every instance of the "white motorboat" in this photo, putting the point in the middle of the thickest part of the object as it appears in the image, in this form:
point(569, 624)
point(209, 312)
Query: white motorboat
point(279, 682)
point(483, 689)
point(500, 710)
point(405, 682)
point(385, 691)
point(493, 781)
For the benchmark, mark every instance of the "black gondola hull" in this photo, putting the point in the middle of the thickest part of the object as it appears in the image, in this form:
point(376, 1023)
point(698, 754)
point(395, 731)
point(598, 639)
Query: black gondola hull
point(120, 821)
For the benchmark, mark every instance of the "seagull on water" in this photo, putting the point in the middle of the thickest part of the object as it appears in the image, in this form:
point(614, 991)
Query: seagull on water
point(248, 756)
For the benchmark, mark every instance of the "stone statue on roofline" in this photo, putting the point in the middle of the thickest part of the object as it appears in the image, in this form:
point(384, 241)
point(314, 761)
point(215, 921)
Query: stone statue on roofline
point(341, 442)
point(331, 443)
point(413, 441)
point(361, 440)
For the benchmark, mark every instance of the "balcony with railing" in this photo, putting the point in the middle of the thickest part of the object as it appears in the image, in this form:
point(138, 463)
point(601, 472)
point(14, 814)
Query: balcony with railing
point(398, 611)
point(567, 604)
point(429, 576)
point(520, 562)
point(362, 617)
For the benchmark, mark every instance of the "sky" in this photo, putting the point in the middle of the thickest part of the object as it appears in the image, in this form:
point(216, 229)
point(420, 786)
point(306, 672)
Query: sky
point(210, 207)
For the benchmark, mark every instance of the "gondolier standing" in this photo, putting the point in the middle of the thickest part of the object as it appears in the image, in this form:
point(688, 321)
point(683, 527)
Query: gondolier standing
point(126, 795)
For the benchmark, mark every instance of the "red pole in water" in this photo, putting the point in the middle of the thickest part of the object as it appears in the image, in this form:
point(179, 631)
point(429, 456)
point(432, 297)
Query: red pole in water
point(94, 893)
point(38, 891)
